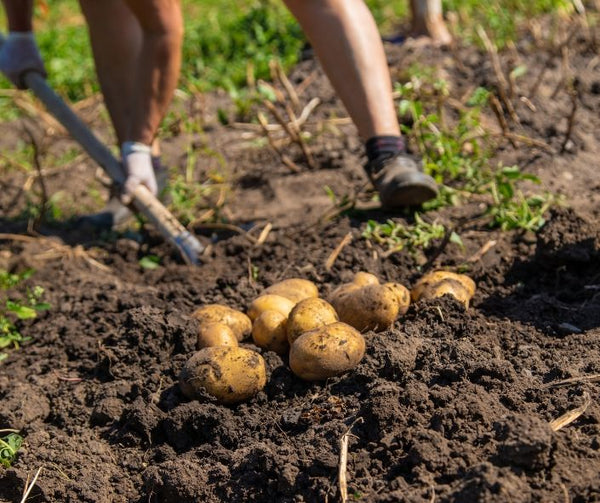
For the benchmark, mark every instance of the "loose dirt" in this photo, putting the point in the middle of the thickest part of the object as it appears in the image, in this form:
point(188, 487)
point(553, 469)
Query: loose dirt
point(456, 404)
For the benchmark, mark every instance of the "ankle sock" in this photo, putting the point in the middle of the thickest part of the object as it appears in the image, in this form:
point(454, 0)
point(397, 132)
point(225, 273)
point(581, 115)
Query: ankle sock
point(380, 148)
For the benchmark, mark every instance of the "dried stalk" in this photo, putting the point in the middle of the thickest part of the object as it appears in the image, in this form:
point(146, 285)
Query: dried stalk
point(502, 83)
point(28, 486)
point(285, 82)
point(574, 380)
point(497, 109)
point(482, 251)
point(571, 119)
point(570, 416)
point(342, 479)
point(284, 158)
point(338, 249)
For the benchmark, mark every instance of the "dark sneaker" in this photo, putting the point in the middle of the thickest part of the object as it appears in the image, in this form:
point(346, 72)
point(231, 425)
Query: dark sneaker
point(400, 182)
point(115, 213)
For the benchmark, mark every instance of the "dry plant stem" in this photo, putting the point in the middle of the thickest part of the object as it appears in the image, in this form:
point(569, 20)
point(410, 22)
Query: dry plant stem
point(540, 78)
point(306, 82)
point(284, 158)
point(497, 109)
point(571, 119)
point(338, 249)
point(28, 486)
point(502, 83)
point(36, 162)
point(292, 131)
point(9, 430)
point(287, 85)
point(228, 227)
point(342, 479)
point(57, 250)
point(294, 127)
point(264, 234)
point(482, 251)
point(568, 417)
point(531, 142)
point(574, 380)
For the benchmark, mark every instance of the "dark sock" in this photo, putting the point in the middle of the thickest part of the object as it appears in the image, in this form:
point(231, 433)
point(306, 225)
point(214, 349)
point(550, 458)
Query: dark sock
point(380, 148)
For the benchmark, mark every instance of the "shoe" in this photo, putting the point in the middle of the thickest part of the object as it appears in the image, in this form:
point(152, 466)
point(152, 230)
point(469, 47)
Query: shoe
point(115, 213)
point(401, 182)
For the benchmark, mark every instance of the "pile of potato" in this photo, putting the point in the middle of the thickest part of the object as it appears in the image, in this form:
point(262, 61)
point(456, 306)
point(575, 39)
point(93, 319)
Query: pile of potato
point(323, 338)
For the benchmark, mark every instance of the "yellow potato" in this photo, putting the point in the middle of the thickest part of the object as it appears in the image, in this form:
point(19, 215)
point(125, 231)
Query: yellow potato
point(230, 374)
point(437, 276)
point(295, 289)
point(216, 334)
point(447, 286)
point(307, 315)
point(327, 351)
point(269, 332)
point(371, 307)
point(239, 323)
point(270, 302)
point(362, 278)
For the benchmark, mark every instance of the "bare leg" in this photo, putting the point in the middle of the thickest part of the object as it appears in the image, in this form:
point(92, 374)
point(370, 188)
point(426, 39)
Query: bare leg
point(116, 40)
point(345, 38)
point(19, 14)
point(427, 20)
point(137, 50)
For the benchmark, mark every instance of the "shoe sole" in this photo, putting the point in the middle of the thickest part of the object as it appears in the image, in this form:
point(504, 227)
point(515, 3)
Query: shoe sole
point(416, 189)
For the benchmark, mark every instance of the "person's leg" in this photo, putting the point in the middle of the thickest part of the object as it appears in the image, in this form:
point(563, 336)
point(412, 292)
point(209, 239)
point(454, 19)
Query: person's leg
point(345, 38)
point(116, 39)
point(428, 21)
point(19, 14)
point(346, 41)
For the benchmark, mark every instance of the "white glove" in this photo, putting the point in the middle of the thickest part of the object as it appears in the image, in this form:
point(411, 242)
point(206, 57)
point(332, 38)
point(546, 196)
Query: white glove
point(20, 54)
point(137, 161)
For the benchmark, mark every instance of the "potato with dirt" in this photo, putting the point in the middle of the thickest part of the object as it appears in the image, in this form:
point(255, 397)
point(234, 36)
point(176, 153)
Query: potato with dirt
point(439, 283)
point(269, 332)
point(295, 289)
point(237, 321)
point(309, 314)
point(270, 302)
point(216, 334)
point(230, 374)
point(365, 304)
point(327, 351)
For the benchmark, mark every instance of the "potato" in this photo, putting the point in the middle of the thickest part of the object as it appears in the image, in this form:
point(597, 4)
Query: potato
point(269, 332)
point(447, 287)
point(239, 323)
point(327, 351)
point(270, 302)
point(230, 374)
point(362, 278)
point(370, 307)
point(309, 314)
point(437, 276)
point(430, 286)
point(295, 289)
point(216, 334)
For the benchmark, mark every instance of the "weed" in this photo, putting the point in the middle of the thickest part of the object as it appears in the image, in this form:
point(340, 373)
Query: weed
point(149, 262)
point(9, 445)
point(17, 308)
point(396, 237)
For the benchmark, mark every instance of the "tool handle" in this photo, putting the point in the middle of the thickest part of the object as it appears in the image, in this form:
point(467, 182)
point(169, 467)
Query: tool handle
point(143, 200)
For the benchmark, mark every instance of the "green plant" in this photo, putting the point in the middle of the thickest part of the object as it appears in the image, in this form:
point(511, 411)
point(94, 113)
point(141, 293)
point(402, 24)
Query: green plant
point(513, 210)
point(17, 308)
point(9, 445)
point(396, 237)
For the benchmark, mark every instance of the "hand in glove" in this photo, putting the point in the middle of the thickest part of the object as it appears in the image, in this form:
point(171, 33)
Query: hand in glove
point(137, 161)
point(20, 54)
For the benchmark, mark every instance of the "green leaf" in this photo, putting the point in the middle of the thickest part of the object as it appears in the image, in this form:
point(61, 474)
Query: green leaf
point(9, 445)
point(150, 262)
point(22, 312)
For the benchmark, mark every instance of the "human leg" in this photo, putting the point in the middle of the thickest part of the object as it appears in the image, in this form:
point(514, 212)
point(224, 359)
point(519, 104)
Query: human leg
point(345, 38)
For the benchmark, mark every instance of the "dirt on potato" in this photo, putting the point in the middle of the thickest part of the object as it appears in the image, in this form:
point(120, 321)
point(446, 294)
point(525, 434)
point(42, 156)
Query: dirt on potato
point(452, 405)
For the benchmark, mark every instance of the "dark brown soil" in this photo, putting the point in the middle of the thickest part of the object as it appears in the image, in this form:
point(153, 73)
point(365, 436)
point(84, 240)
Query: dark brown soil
point(448, 405)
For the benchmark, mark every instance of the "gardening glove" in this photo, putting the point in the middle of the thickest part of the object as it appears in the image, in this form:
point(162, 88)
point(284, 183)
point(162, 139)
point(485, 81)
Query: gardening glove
point(137, 161)
point(20, 54)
